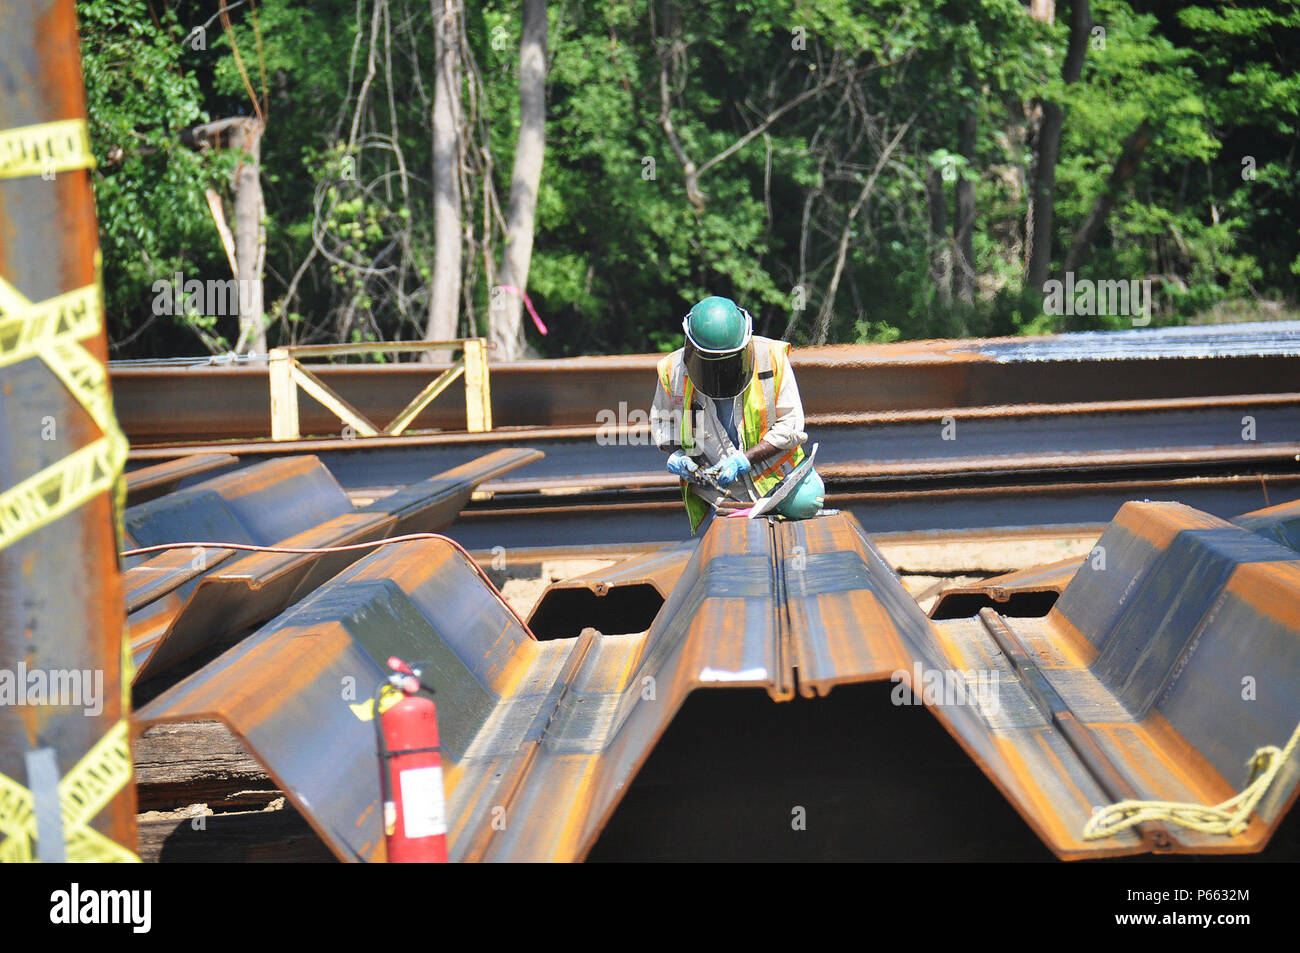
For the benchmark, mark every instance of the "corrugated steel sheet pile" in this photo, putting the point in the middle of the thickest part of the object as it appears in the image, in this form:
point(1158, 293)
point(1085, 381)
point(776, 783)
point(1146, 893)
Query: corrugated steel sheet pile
point(1130, 688)
point(1053, 608)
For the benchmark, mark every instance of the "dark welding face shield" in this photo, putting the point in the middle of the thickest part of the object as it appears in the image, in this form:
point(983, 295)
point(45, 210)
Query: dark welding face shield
point(720, 372)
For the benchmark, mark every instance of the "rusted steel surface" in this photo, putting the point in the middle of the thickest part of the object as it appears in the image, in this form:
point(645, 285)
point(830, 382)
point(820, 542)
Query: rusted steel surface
point(297, 692)
point(435, 502)
point(147, 483)
point(1069, 464)
point(913, 553)
point(1110, 433)
point(202, 595)
point(1280, 523)
point(1030, 591)
point(659, 569)
point(60, 593)
point(1035, 589)
point(547, 732)
point(233, 402)
point(973, 465)
point(535, 556)
point(1049, 702)
point(1149, 648)
point(1108, 697)
point(956, 504)
point(619, 599)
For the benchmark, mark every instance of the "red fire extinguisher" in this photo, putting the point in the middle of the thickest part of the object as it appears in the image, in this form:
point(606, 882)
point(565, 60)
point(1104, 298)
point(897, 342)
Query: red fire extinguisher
point(410, 770)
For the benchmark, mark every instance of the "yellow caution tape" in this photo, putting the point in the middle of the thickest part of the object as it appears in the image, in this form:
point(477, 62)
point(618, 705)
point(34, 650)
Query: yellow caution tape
point(83, 792)
point(26, 328)
point(1229, 817)
point(51, 331)
point(45, 149)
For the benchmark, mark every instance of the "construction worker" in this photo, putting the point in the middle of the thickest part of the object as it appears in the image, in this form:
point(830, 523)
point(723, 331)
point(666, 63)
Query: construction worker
point(727, 409)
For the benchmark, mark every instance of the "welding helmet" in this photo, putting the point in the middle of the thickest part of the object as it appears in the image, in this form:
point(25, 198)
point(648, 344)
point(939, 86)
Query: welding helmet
point(719, 351)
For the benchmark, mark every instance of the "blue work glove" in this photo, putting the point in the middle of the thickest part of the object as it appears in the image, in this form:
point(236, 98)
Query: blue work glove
point(682, 465)
point(728, 470)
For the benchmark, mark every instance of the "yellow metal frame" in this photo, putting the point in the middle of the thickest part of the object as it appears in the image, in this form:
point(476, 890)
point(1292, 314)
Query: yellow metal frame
point(287, 374)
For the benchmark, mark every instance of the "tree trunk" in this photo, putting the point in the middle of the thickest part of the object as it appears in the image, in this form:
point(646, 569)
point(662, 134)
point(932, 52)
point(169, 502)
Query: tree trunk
point(1043, 189)
point(444, 297)
point(250, 232)
point(1125, 167)
point(940, 246)
point(507, 306)
point(964, 224)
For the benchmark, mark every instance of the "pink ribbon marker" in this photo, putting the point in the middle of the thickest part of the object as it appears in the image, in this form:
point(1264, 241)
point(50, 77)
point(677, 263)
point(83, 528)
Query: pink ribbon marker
point(528, 303)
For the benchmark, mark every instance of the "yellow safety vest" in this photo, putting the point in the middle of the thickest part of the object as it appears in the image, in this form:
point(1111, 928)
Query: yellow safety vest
point(771, 361)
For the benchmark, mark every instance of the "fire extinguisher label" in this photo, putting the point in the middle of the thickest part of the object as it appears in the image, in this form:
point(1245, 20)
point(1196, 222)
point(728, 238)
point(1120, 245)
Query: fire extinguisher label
point(423, 811)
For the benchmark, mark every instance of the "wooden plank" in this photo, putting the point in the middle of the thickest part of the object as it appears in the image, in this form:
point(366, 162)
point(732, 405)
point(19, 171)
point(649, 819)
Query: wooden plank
point(194, 762)
point(422, 400)
point(373, 347)
point(271, 836)
point(478, 392)
point(314, 386)
point(284, 395)
point(287, 375)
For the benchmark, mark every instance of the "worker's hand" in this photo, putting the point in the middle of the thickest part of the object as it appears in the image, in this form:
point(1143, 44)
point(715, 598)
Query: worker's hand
point(682, 465)
point(728, 470)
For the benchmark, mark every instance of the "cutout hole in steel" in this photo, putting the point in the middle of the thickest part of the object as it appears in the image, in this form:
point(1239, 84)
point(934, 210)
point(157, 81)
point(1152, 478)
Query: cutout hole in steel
point(564, 613)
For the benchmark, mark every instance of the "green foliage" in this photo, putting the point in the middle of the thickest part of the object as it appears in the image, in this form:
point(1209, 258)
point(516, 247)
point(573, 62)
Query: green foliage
point(621, 252)
point(153, 217)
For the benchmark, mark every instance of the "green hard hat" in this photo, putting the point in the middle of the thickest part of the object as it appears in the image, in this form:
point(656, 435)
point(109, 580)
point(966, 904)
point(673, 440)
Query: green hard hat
point(719, 349)
point(717, 324)
point(806, 499)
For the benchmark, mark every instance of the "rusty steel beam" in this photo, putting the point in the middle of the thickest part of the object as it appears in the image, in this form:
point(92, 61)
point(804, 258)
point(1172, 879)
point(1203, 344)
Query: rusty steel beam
point(232, 402)
point(1148, 647)
point(983, 464)
point(895, 472)
point(963, 505)
point(187, 600)
point(1025, 592)
point(618, 599)
point(1049, 703)
point(147, 483)
point(549, 737)
point(1033, 591)
point(60, 592)
point(587, 455)
point(514, 731)
point(297, 692)
point(1280, 523)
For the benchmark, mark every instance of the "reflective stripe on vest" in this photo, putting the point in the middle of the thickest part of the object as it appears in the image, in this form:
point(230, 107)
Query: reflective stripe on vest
point(759, 405)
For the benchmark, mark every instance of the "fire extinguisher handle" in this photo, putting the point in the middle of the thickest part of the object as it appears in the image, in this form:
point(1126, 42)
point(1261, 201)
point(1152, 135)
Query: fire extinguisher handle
point(411, 672)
